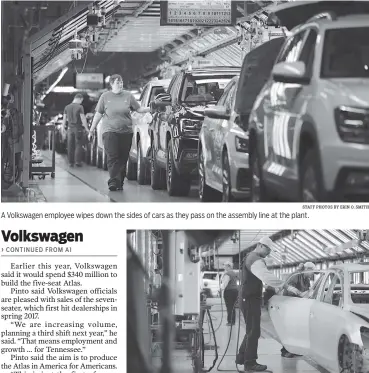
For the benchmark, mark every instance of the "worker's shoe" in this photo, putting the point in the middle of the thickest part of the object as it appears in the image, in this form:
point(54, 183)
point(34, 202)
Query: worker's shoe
point(255, 367)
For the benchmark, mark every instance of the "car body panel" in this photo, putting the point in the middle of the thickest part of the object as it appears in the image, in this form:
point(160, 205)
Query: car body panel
point(283, 111)
point(313, 325)
point(140, 122)
point(290, 318)
point(168, 123)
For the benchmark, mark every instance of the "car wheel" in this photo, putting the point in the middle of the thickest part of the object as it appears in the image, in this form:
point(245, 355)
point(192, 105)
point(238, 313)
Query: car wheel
point(176, 184)
point(206, 193)
point(157, 173)
point(311, 182)
point(226, 180)
point(351, 357)
point(142, 173)
point(131, 170)
point(258, 191)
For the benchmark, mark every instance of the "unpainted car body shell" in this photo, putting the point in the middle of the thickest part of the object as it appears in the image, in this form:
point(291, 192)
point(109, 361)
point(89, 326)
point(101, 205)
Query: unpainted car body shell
point(313, 328)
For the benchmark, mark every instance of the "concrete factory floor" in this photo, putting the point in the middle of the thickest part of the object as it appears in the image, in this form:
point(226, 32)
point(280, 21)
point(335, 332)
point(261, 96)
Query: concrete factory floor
point(269, 348)
point(88, 184)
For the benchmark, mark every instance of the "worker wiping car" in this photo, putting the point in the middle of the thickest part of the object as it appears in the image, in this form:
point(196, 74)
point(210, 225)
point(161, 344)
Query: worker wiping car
point(254, 274)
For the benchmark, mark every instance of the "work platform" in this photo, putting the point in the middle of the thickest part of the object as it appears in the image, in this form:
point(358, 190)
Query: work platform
point(269, 348)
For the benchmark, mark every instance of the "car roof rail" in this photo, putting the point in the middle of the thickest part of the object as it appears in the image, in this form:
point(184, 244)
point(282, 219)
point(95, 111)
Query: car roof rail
point(331, 16)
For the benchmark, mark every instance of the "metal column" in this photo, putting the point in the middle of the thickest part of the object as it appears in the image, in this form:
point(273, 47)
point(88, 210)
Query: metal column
point(27, 106)
point(166, 309)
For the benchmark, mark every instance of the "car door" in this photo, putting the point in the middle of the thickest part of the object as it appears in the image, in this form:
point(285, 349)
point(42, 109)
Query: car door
point(327, 314)
point(290, 317)
point(220, 132)
point(284, 110)
point(167, 115)
point(209, 128)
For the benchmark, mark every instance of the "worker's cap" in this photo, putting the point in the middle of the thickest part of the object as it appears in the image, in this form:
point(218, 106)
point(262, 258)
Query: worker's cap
point(309, 265)
point(266, 241)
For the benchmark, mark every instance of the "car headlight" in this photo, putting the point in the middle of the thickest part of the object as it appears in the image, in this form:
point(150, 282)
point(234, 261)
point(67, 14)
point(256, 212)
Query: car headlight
point(190, 127)
point(353, 124)
point(242, 145)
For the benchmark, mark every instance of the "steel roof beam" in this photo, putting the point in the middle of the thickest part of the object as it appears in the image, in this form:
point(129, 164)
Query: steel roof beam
point(126, 19)
point(273, 237)
point(43, 35)
point(226, 42)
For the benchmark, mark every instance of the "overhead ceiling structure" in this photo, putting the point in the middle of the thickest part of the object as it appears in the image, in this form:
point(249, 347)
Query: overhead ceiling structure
point(139, 29)
point(304, 245)
point(248, 239)
point(134, 26)
point(50, 46)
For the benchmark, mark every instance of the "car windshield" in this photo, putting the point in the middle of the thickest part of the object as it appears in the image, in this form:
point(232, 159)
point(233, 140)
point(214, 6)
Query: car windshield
point(204, 89)
point(359, 287)
point(346, 53)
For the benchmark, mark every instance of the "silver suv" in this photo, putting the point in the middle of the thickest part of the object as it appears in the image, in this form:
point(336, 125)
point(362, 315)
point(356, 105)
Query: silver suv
point(310, 123)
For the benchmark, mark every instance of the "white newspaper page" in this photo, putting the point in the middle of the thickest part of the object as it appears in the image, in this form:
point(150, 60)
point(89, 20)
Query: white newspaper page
point(61, 299)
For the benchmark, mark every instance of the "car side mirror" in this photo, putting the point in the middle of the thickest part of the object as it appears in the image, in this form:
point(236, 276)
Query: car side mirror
point(217, 112)
point(162, 100)
point(290, 72)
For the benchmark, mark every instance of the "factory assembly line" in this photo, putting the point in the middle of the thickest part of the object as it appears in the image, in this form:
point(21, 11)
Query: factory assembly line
point(164, 101)
point(299, 304)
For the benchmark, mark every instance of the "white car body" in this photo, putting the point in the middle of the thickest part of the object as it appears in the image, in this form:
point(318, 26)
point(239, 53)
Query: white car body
point(315, 325)
point(140, 122)
point(211, 280)
point(219, 138)
point(326, 114)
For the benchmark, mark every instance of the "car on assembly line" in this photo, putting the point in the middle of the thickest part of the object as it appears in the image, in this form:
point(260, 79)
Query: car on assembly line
point(178, 119)
point(309, 127)
point(138, 167)
point(211, 283)
point(330, 323)
point(223, 153)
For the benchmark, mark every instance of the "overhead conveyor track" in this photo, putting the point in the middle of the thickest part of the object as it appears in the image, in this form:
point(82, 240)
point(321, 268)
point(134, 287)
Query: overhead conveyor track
point(318, 246)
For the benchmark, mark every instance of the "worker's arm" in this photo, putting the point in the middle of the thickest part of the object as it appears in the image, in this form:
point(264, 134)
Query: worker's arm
point(225, 281)
point(95, 121)
point(100, 108)
point(260, 270)
point(84, 121)
point(135, 106)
